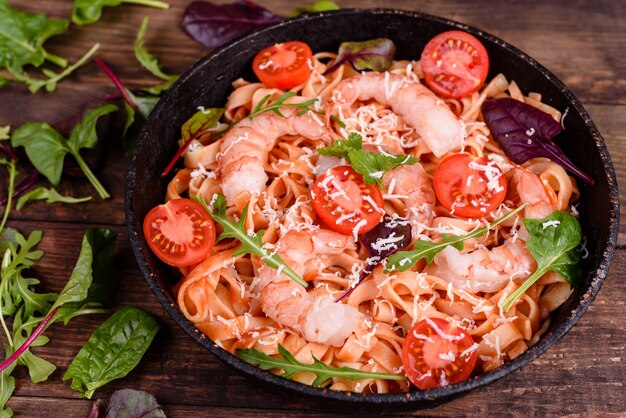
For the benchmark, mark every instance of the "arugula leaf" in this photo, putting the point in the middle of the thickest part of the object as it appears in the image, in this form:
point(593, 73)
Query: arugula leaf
point(149, 61)
point(553, 241)
point(317, 7)
point(100, 362)
point(50, 196)
point(7, 386)
point(291, 366)
point(4, 132)
point(277, 105)
point(403, 260)
point(370, 165)
point(46, 148)
point(375, 54)
point(86, 12)
point(250, 243)
point(11, 167)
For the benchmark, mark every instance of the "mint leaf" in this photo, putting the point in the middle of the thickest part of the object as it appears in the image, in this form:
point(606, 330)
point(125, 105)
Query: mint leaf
point(291, 366)
point(113, 350)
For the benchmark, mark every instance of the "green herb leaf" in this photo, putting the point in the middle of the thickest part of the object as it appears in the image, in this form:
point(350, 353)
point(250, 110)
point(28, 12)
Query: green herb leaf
point(375, 54)
point(291, 366)
point(250, 243)
point(403, 260)
point(7, 386)
point(370, 165)
point(317, 7)
point(202, 120)
point(129, 403)
point(148, 60)
point(50, 196)
point(22, 36)
point(100, 361)
point(86, 12)
point(4, 132)
point(277, 105)
point(553, 241)
point(46, 148)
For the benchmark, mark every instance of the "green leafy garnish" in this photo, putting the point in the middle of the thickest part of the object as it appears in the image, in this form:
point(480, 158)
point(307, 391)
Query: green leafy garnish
point(318, 6)
point(50, 196)
point(553, 241)
point(46, 148)
point(291, 366)
point(250, 243)
point(279, 103)
point(100, 361)
point(403, 260)
point(370, 165)
point(374, 54)
point(150, 63)
point(86, 12)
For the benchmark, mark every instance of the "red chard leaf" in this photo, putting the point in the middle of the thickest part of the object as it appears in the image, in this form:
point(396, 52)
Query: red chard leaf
point(375, 55)
point(525, 132)
point(213, 25)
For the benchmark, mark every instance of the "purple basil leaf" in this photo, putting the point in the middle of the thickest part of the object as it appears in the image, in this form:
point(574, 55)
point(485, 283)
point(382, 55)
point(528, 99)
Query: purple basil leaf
point(375, 55)
point(388, 237)
point(213, 25)
point(130, 403)
point(525, 132)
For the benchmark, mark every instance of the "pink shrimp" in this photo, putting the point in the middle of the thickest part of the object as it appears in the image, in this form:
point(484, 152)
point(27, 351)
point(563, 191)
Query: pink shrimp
point(244, 149)
point(437, 125)
point(529, 188)
point(318, 319)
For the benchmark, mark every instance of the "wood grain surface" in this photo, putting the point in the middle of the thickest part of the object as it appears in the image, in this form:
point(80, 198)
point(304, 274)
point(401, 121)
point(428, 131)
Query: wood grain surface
point(582, 42)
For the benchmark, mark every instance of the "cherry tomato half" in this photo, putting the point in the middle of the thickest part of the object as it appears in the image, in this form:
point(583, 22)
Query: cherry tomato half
point(345, 203)
point(469, 187)
point(180, 232)
point(455, 64)
point(283, 66)
point(437, 353)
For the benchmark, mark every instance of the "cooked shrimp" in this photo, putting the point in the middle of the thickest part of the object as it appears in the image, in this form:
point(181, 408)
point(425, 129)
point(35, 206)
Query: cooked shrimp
point(244, 149)
point(411, 184)
point(318, 319)
point(528, 186)
point(484, 270)
point(436, 124)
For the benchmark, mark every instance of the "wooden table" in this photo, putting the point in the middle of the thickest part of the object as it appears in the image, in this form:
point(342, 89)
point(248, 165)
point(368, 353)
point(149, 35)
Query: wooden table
point(582, 42)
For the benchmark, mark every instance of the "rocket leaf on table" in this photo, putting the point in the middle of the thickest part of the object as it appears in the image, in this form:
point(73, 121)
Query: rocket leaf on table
point(50, 196)
point(86, 12)
point(250, 243)
point(150, 62)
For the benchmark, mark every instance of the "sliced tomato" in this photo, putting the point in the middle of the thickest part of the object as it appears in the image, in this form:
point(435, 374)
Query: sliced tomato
point(283, 66)
point(345, 203)
point(469, 187)
point(180, 232)
point(455, 64)
point(437, 353)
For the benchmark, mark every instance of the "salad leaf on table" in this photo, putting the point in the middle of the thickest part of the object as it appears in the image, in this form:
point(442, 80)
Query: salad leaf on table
point(100, 362)
point(317, 7)
point(150, 62)
point(553, 241)
point(86, 12)
point(127, 403)
point(525, 132)
point(403, 260)
point(372, 166)
point(46, 148)
point(375, 54)
point(291, 366)
point(50, 196)
point(250, 243)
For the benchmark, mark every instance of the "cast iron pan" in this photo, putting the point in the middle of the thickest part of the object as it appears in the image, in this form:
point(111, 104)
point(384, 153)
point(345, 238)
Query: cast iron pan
point(207, 84)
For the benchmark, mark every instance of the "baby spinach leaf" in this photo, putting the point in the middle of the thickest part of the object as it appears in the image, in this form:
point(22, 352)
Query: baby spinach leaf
point(112, 351)
point(317, 7)
point(129, 403)
point(553, 241)
point(86, 12)
point(250, 243)
point(149, 61)
point(370, 165)
point(46, 148)
point(291, 366)
point(525, 132)
point(403, 260)
point(50, 196)
point(375, 54)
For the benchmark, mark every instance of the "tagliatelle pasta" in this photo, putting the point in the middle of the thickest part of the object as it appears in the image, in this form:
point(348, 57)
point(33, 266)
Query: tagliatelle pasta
point(223, 294)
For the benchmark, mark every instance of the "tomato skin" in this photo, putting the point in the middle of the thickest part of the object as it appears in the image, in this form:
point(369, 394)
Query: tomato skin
point(455, 64)
point(181, 232)
point(283, 66)
point(331, 204)
point(465, 190)
point(423, 348)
